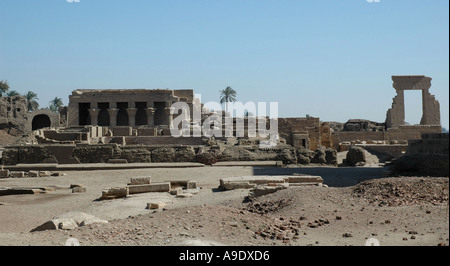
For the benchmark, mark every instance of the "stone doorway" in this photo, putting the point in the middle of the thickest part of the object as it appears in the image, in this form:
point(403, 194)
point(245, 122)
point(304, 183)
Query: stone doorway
point(141, 113)
point(160, 116)
point(122, 115)
point(103, 115)
point(83, 115)
point(40, 121)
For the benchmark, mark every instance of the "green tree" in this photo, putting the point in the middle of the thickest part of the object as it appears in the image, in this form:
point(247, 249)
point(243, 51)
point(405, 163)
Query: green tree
point(227, 95)
point(4, 87)
point(32, 104)
point(12, 93)
point(55, 104)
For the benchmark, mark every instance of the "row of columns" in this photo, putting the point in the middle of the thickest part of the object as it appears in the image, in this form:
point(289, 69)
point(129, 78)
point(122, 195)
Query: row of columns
point(131, 115)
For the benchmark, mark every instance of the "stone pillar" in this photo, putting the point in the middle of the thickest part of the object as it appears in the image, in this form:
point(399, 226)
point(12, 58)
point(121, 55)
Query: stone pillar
point(150, 116)
point(431, 110)
point(169, 116)
point(131, 116)
point(395, 116)
point(94, 116)
point(113, 116)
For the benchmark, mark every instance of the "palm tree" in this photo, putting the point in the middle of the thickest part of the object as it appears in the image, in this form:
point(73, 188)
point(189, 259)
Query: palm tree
point(4, 87)
point(31, 101)
point(12, 93)
point(55, 104)
point(227, 95)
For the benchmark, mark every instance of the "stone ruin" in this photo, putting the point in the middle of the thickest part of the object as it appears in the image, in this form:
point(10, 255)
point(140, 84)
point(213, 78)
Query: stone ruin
point(395, 116)
point(133, 126)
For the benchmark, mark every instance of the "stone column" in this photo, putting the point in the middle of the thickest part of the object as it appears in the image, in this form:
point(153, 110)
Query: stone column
point(395, 116)
point(131, 116)
point(150, 116)
point(431, 110)
point(169, 116)
point(94, 116)
point(113, 116)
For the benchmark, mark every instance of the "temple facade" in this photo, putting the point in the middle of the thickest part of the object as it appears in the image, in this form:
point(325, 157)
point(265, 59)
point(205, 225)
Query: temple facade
point(136, 108)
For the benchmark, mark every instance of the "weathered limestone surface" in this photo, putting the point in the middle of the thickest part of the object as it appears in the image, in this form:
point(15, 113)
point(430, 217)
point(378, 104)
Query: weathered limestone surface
point(69, 221)
point(355, 155)
point(244, 182)
point(114, 193)
point(146, 188)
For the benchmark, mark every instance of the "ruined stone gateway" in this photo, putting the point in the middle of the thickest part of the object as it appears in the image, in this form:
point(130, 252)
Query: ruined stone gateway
point(431, 115)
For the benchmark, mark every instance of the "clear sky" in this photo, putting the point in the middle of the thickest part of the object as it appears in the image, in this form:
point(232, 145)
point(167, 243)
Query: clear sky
point(326, 58)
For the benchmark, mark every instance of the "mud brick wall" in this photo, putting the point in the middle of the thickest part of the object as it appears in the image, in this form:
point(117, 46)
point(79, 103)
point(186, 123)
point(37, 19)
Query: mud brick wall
point(437, 143)
point(286, 126)
point(96, 153)
point(13, 112)
point(26, 154)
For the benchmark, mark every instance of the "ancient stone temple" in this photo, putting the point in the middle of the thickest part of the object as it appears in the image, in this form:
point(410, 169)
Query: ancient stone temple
point(395, 116)
point(137, 107)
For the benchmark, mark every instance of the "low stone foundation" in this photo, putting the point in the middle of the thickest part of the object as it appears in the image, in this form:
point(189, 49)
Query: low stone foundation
point(114, 153)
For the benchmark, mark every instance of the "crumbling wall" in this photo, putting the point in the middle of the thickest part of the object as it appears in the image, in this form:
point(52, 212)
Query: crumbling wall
point(13, 114)
point(26, 155)
point(289, 127)
point(96, 153)
point(426, 157)
point(402, 133)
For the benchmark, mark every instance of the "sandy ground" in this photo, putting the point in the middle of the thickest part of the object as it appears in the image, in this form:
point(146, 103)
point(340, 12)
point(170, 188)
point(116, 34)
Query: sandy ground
point(342, 214)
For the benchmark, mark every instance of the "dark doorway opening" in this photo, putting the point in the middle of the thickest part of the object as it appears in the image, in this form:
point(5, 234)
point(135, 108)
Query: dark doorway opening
point(160, 114)
point(122, 115)
point(103, 115)
point(83, 114)
point(40, 121)
point(141, 114)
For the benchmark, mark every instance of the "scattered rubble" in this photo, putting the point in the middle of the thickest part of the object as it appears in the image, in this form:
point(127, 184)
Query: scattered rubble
point(389, 192)
point(69, 221)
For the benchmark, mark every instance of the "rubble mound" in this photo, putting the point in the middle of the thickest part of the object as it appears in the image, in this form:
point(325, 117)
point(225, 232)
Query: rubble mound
point(267, 206)
point(404, 191)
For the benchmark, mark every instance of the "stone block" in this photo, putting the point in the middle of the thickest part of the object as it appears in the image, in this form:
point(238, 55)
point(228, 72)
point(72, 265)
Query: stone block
point(79, 189)
point(17, 174)
point(142, 180)
point(69, 221)
point(156, 205)
point(249, 181)
point(264, 190)
point(4, 173)
point(176, 191)
point(115, 193)
point(305, 179)
point(179, 183)
point(146, 188)
point(58, 174)
point(191, 185)
point(44, 173)
point(160, 187)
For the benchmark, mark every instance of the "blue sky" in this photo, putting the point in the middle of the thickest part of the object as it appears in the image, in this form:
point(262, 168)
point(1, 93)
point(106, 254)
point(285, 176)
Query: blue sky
point(326, 58)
